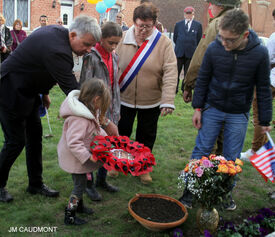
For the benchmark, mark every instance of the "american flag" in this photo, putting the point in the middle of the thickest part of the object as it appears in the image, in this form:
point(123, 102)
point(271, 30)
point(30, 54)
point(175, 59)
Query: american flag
point(264, 161)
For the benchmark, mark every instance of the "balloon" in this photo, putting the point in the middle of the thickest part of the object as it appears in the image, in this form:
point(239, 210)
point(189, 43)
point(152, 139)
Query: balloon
point(101, 7)
point(109, 3)
point(93, 1)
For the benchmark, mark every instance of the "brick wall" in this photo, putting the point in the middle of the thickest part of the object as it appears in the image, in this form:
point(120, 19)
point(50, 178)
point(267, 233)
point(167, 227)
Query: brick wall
point(43, 7)
point(171, 11)
point(127, 8)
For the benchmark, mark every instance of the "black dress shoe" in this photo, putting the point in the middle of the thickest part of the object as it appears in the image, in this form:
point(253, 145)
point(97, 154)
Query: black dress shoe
point(43, 190)
point(5, 196)
point(108, 187)
point(93, 194)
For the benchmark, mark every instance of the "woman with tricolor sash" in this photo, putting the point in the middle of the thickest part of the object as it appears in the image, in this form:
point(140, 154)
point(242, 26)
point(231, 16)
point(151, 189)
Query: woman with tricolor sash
point(147, 77)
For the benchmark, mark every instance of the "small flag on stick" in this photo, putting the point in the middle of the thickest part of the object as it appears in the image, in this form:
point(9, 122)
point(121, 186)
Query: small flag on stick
point(264, 160)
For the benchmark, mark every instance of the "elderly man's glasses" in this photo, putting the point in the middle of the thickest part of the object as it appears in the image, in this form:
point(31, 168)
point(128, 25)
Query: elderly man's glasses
point(145, 27)
point(228, 40)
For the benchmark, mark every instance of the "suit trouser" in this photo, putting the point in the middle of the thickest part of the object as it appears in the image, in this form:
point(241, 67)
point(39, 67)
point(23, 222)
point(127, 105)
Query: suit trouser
point(147, 123)
point(259, 139)
point(20, 132)
point(183, 61)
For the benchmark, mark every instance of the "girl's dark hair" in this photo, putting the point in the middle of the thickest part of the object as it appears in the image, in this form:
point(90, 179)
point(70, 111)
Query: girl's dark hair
point(146, 11)
point(235, 21)
point(89, 90)
point(110, 29)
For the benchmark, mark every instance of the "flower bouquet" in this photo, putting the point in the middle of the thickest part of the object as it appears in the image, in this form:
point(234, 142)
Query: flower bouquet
point(123, 155)
point(210, 179)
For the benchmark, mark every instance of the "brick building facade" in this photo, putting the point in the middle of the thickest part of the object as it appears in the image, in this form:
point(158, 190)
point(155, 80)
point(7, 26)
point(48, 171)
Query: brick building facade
point(171, 11)
point(29, 11)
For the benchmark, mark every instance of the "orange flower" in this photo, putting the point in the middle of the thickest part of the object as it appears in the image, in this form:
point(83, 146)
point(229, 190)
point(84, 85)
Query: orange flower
point(223, 161)
point(230, 165)
point(232, 171)
point(222, 168)
point(238, 169)
point(186, 169)
point(212, 156)
point(230, 162)
point(238, 162)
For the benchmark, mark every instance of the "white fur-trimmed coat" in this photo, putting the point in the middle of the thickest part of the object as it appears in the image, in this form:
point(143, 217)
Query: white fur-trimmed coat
point(79, 129)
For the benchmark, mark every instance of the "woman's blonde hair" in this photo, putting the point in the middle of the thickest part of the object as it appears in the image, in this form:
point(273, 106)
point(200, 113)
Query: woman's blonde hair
point(2, 18)
point(17, 21)
point(89, 90)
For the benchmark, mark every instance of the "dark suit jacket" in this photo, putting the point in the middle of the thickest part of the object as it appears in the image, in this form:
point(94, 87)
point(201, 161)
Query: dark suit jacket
point(185, 41)
point(43, 59)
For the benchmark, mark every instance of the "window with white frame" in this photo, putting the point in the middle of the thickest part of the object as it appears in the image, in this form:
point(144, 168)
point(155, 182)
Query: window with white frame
point(17, 9)
point(110, 15)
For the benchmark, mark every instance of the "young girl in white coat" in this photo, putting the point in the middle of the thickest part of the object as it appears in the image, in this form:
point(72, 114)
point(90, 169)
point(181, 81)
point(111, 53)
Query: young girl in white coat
point(83, 112)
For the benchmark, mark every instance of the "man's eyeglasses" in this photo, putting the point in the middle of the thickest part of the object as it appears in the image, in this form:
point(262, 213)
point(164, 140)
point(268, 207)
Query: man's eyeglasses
point(146, 27)
point(227, 40)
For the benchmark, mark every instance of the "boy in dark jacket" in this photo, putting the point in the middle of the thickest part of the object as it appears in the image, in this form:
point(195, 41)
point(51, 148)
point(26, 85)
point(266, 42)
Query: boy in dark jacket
point(232, 66)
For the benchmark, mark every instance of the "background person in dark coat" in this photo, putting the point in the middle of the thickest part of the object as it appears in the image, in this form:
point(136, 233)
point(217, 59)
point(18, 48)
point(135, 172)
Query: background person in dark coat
point(39, 62)
point(187, 35)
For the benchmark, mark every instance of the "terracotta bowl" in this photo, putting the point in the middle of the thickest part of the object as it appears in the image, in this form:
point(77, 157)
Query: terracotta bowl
point(157, 226)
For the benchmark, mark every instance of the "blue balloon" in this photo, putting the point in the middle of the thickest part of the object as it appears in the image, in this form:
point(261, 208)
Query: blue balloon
point(109, 3)
point(101, 7)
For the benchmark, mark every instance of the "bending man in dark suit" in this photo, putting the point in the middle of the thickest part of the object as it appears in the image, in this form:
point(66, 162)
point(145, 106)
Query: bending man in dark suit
point(187, 35)
point(42, 60)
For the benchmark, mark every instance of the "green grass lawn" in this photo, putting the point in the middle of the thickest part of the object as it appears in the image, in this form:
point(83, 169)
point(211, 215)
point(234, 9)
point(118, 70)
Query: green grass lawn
point(173, 147)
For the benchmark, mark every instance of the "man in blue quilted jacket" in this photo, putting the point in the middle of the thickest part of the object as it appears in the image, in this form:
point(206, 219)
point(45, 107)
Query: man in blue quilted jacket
point(233, 65)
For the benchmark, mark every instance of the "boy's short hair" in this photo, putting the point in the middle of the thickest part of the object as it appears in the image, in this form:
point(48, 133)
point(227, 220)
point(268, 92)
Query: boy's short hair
point(110, 29)
point(273, 13)
point(235, 21)
point(43, 16)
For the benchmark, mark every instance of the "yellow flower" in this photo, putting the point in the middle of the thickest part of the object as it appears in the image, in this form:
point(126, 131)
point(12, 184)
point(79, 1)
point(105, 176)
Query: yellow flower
point(223, 161)
point(238, 169)
point(232, 171)
point(222, 168)
point(186, 169)
point(230, 162)
point(238, 162)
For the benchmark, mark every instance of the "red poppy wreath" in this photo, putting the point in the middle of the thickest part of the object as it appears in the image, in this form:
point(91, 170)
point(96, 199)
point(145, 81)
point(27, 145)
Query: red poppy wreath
point(122, 154)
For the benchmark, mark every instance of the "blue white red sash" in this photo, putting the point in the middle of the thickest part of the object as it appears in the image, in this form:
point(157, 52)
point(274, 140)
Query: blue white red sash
point(138, 60)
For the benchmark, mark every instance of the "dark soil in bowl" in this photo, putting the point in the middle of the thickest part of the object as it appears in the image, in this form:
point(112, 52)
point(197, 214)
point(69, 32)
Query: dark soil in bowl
point(157, 210)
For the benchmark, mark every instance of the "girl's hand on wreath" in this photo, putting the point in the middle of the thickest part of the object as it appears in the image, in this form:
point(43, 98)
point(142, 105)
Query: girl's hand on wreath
point(111, 129)
point(92, 159)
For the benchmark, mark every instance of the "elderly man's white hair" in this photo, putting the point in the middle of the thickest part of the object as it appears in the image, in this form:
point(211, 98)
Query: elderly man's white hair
point(84, 24)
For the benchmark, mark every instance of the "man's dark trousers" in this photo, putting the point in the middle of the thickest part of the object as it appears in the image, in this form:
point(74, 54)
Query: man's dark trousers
point(19, 132)
point(185, 62)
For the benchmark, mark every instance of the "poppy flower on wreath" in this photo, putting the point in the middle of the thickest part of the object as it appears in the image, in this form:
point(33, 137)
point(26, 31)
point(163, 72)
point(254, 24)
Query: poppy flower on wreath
point(123, 155)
